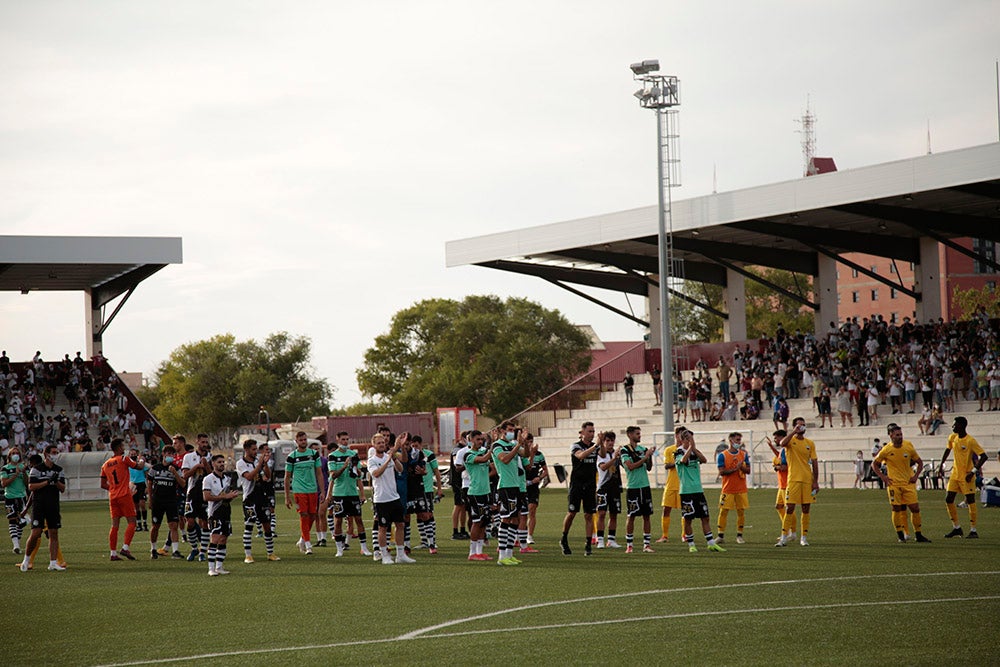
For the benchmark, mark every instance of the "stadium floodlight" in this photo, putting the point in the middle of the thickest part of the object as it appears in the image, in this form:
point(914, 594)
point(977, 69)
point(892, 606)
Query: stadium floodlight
point(645, 67)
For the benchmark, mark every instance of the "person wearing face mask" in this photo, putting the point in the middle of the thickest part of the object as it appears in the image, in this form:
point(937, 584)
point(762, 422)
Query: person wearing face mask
point(253, 469)
point(346, 494)
point(506, 453)
point(799, 454)
point(14, 478)
point(46, 482)
point(164, 479)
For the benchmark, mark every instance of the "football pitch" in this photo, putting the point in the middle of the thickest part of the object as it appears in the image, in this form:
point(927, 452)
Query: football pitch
point(855, 595)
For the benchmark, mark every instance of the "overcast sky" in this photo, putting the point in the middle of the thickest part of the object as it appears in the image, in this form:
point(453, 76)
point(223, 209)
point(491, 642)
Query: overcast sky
point(316, 156)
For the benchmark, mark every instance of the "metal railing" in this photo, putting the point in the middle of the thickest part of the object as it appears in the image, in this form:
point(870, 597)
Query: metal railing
point(587, 387)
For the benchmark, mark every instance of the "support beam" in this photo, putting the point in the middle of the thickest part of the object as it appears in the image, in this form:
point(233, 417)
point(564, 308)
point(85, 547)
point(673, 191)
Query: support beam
point(952, 224)
point(927, 278)
point(825, 290)
point(773, 258)
point(873, 244)
point(927, 231)
point(704, 305)
point(767, 283)
point(616, 282)
point(105, 292)
point(734, 295)
point(704, 272)
point(600, 303)
point(915, 294)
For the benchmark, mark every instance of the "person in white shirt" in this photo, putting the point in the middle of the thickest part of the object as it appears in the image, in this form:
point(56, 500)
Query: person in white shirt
point(388, 507)
point(218, 490)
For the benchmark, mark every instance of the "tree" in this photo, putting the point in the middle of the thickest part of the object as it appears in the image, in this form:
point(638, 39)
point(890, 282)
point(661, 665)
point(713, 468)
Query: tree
point(498, 356)
point(220, 382)
point(971, 300)
point(765, 308)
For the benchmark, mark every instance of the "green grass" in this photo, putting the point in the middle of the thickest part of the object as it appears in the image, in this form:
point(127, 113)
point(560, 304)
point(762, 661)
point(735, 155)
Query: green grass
point(101, 612)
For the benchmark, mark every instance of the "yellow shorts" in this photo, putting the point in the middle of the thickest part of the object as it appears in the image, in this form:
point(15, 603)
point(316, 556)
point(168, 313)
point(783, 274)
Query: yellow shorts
point(799, 493)
point(903, 495)
point(734, 501)
point(671, 498)
point(780, 500)
point(960, 486)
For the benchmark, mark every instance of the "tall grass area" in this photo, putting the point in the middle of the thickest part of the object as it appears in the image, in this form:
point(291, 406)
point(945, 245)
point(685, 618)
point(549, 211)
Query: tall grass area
point(854, 596)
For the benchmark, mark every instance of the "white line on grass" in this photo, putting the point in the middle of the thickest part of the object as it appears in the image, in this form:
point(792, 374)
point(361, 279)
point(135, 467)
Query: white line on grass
point(424, 633)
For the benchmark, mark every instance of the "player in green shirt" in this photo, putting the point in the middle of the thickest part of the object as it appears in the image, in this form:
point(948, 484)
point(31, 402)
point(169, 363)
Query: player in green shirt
point(304, 478)
point(639, 499)
point(346, 494)
point(477, 465)
point(693, 503)
point(506, 459)
point(432, 493)
point(14, 478)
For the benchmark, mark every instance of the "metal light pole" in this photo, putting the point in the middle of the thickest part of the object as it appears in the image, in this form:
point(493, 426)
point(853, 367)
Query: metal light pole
point(661, 93)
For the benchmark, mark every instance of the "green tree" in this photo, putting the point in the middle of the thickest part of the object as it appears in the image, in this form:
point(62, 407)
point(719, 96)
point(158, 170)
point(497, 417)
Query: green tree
point(971, 300)
point(693, 324)
point(498, 356)
point(219, 382)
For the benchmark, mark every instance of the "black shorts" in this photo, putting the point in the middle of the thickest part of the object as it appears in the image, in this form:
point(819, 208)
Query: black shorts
point(158, 509)
point(345, 506)
point(389, 513)
point(45, 514)
point(255, 512)
point(221, 527)
point(639, 501)
point(522, 502)
point(582, 497)
point(459, 495)
point(140, 492)
point(479, 508)
point(507, 503)
point(694, 506)
point(195, 508)
point(418, 505)
point(532, 494)
point(14, 507)
point(609, 501)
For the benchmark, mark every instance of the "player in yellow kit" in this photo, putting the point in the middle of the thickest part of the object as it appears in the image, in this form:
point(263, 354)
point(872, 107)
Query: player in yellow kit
point(969, 457)
point(781, 471)
point(903, 466)
point(803, 479)
point(671, 492)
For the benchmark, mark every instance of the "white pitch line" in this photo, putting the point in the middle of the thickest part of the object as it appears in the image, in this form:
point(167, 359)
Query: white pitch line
point(447, 624)
point(423, 632)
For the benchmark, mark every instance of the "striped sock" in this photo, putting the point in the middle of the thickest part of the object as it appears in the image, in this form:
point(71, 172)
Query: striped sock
point(629, 539)
point(269, 543)
point(248, 538)
point(192, 534)
point(646, 539)
point(212, 549)
point(220, 555)
point(522, 537)
point(206, 537)
point(432, 531)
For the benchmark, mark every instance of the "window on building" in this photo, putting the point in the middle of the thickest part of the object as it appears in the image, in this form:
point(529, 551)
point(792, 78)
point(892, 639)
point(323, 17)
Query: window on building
point(838, 274)
point(991, 284)
point(874, 269)
point(913, 267)
point(838, 298)
point(988, 250)
point(892, 317)
point(892, 268)
point(855, 297)
point(892, 292)
point(874, 295)
point(854, 273)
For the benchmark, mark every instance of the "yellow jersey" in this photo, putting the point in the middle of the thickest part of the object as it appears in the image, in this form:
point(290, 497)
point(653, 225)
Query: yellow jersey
point(962, 450)
point(898, 461)
point(673, 481)
point(799, 454)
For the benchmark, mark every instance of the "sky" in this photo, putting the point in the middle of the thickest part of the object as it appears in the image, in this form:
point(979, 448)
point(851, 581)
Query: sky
point(316, 156)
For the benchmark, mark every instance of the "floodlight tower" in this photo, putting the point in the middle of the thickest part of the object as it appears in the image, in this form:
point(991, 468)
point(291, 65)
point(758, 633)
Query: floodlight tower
point(661, 93)
point(808, 132)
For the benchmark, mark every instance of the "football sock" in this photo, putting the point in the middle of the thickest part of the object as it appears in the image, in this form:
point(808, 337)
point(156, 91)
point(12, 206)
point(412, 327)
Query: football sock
point(788, 524)
point(973, 512)
point(248, 538)
point(740, 521)
point(212, 550)
point(522, 537)
point(220, 555)
point(709, 538)
point(406, 533)
point(305, 528)
point(953, 513)
point(129, 533)
point(646, 539)
point(113, 538)
point(805, 524)
point(269, 542)
point(917, 522)
point(629, 539)
point(723, 520)
point(781, 515)
point(899, 521)
point(432, 529)
point(611, 535)
point(206, 538)
point(665, 525)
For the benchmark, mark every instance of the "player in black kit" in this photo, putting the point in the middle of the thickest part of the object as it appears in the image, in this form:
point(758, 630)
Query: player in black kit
point(582, 486)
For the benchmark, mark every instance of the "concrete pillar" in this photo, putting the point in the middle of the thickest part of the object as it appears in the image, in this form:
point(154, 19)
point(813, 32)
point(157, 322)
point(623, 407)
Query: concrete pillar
point(94, 321)
point(927, 281)
point(825, 294)
point(734, 296)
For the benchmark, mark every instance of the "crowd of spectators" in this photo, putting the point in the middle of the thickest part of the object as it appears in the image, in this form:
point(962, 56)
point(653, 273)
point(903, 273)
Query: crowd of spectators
point(858, 372)
point(97, 408)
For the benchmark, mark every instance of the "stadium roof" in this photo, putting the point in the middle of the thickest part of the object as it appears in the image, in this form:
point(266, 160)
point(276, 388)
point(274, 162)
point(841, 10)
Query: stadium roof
point(883, 210)
point(107, 266)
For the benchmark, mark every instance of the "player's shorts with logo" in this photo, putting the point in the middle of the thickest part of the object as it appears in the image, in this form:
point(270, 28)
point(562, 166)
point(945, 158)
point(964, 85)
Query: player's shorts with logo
point(257, 512)
point(639, 501)
point(14, 507)
point(609, 500)
point(159, 509)
point(123, 507)
point(694, 506)
point(479, 508)
point(418, 504)
point(582, 498)
point(221, 525)
point(195, 507)
point(960, 486)
point(902, 495)
point(389, 513)
point(734, 501)
point(306, 503)
point(799, 493)
point(507, 502)
point(345, 506)
point(45, 514)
